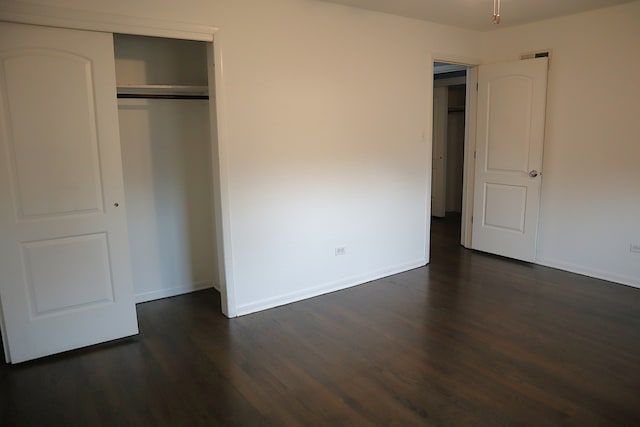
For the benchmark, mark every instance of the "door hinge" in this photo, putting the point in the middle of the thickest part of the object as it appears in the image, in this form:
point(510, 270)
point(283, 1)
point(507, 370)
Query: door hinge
point(471, 219)
point(474, 155)
point(476, 87)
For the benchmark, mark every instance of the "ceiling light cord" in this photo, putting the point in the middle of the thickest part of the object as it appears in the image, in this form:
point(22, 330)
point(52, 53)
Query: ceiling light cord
point(496, 11)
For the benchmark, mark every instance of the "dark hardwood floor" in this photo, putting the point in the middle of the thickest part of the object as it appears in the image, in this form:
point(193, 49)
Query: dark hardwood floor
point(472, 339)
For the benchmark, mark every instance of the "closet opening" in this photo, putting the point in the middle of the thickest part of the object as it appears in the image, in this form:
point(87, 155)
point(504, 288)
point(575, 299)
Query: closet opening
point(166, 139)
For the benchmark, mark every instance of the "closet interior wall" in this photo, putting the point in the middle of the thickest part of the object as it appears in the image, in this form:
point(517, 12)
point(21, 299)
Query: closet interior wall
point(166, 154)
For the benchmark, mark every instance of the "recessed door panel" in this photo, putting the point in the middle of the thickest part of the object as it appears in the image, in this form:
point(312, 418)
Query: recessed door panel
point(68, 274)
point(509, 123)
point(42, 139)
point(505, 207)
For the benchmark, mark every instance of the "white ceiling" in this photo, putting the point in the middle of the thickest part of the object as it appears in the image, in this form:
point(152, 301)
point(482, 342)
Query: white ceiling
point(476, 14)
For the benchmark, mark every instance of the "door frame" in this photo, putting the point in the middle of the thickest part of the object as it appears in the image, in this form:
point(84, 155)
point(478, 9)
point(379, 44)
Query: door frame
point(468, 181)
point(52, 16)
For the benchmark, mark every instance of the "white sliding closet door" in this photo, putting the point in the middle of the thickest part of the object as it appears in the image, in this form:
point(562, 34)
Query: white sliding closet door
point(64, 255)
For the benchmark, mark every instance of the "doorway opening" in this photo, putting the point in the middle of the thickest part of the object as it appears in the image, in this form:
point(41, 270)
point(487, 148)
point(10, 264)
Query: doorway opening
point(450, 152)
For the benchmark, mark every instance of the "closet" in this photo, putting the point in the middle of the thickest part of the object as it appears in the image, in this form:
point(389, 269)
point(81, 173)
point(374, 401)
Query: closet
point(106, 182)
point(163, 111)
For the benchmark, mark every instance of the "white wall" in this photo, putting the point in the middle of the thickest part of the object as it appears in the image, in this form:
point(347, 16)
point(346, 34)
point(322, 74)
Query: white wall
point(167, 170)
point(329, 109)
point(328, 137)
point(591, 183)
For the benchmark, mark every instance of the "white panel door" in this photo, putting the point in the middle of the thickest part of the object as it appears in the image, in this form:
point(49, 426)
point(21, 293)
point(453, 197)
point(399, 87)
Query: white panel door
point(64, 255)
point(439, 151)
point(510, 134)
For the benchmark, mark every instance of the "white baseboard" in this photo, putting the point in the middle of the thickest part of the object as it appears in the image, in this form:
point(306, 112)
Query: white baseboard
point(172, 292)
point(586, 271)
point(325, 288)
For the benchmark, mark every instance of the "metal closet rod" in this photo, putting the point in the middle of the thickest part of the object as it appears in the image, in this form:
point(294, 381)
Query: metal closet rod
point(159, 96)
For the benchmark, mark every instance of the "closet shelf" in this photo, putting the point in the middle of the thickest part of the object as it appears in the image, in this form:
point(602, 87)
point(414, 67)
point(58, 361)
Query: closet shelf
point(163, 91)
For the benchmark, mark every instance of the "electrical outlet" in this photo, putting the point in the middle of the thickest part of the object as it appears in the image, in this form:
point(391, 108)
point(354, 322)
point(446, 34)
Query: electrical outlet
point(341, 250)
point(634, 247)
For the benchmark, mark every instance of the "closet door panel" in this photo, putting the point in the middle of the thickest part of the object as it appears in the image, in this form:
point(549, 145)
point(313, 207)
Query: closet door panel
point(40, 147)
point(64, 254)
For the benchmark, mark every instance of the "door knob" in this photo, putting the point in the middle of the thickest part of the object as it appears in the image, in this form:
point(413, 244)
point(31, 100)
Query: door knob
point(533, 173)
